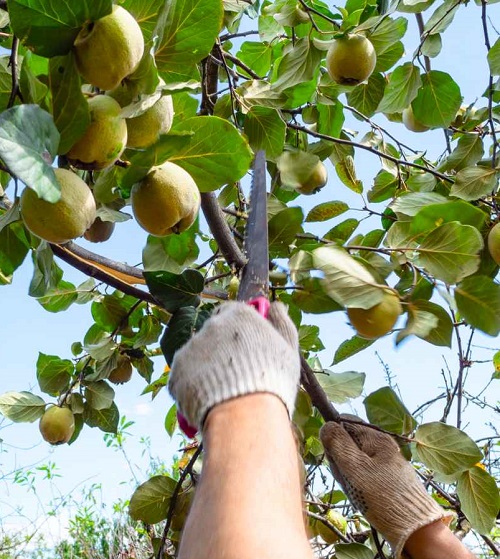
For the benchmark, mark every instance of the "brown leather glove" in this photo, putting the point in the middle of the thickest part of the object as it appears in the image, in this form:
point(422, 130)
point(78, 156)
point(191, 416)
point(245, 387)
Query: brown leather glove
point(379, 482)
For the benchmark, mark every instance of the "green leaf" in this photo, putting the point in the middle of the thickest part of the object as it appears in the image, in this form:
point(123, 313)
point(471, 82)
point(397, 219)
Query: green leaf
point(353, 551)
point(494, 58)
point(438, 100)
point(345, 280)
point(472, 183)
point(283, 228)
point(69, 107)
point(99, 395)
point(14, 247)
point(53, 373)
point(187, 31)
point(441, 18)
point(434, 215)
point(311, 298)
point(350, 347)
point(217, 153)
point(6, 81)
point(175, 291)
point(391, 55)
point(468, 152)
point(298, 65)
point(46, 273)
point(309, 338)
point(151, 500)
point(347, 174)
point(432, 46)
point(410, 204)
point(451, 252)
point(60, 297)
point(21, 407)
point(326, 211)
point(98, 343)
point(150, 329)
point(367, 96)
point(106, 420)
point(50, 29)
point(342, 387)
point(478, 301)
point(479, 498)
point(109, 313)
point(257, 56)
point(343, 230)
point(171, 420)
point(402, 88)
point(445, 448)
point(181, 326)
point(145, 13)
point(265, 130)
point(172, 253)
point(330, 119)
point(385, 409)
point(441, 333)
point(28, 151)
point(296, 167)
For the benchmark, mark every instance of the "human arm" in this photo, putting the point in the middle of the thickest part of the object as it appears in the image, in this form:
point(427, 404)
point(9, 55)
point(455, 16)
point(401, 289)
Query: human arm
point(436, 541)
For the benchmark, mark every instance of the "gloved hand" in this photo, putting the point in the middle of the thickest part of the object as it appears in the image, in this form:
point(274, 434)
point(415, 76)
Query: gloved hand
point(236, 352)
point(379, 482)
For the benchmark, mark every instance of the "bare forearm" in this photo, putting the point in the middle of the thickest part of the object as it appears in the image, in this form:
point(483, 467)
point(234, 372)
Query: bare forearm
point(436, 541)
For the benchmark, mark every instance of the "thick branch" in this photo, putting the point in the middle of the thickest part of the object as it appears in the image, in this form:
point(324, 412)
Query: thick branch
point(318, 397)
point(220, 230)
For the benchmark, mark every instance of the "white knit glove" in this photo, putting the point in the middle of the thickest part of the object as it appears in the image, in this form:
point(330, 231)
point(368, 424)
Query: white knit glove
point(236, 352)
point(379, 482)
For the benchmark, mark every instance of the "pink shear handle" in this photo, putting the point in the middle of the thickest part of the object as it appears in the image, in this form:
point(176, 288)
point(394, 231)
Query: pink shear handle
point(261, 305)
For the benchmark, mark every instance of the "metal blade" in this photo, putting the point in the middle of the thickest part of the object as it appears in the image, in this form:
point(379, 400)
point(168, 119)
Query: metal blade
point(255, 275)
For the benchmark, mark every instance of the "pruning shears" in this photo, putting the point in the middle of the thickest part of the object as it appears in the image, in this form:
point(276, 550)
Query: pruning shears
point(254, 285)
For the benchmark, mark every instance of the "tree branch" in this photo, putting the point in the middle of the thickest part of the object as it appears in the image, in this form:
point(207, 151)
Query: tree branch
point(14, 91)
point(317, 394)
point(371, 150)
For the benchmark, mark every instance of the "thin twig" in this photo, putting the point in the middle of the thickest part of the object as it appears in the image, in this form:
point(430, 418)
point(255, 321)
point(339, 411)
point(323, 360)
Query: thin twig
point(173, 501)
point(371, 150)
point(14, 91)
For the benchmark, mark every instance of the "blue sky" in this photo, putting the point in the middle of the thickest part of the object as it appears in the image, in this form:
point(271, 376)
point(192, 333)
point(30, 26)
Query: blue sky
point(27, 328)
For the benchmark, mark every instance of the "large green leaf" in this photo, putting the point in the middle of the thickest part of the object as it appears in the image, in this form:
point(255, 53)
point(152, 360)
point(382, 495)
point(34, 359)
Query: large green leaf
point(21, 407)
point(172, 253)
point(28, 151)
point(326, 211)
point(345, 280)
point(283, 228)
point(298, 65)
point(217, 153)
point(472, 183)
point(451, 252)
point(145, 13)
point(151, 500)
point(265, 130)
point(445, 448)
point(187, 30)
point(69, 107)
point(402, 88)
point(99, 395)
point(258, 56)
point(50, 28)
point(438, 100)
point(468, 152)
point(342, 387)
point(479, 498)
point(441, 329)
point(385, 409)
point(53, 373)
point(106, 420)
point(478, 301)
point(46, 273)
point(410, 204)
point(60, 297)
point(6, 81)
point(175, 291)
point(353, 551)
point(14, 246)
point(434, 215)
point(366, 96)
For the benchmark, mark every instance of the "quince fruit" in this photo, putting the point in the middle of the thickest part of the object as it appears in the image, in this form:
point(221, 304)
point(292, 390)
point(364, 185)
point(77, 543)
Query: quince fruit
point(57, 425)
point(351, 59)
point(66, 219)
point(494, 243)
point(411, 122)
point(166, 201)
point(99, 231)
point(122, 372)
point(105, 138)
point(109, 49)
point(378, 320)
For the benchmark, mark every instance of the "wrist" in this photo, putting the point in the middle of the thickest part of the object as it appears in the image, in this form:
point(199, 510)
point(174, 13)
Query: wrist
point(435, 541)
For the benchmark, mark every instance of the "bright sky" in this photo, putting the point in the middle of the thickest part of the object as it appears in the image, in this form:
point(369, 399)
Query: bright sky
point(27, 329)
